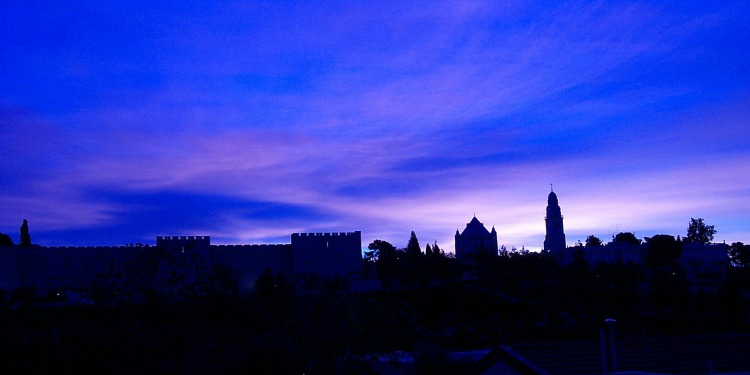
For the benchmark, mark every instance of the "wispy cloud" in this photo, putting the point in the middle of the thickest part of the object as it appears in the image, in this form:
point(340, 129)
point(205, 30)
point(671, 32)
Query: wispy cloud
point(380, 117)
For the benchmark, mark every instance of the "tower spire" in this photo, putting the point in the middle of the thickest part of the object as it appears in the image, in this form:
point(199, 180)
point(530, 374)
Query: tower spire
point(554, 239)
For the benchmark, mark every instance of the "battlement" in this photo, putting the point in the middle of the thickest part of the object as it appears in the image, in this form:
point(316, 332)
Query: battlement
point(327, 253)
point(48, 267)
point(92, 248)
point(333, 234)
point(250, 247)
point(182, 238)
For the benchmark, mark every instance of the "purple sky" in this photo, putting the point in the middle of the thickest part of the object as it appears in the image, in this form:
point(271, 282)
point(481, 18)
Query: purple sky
point(120, 121)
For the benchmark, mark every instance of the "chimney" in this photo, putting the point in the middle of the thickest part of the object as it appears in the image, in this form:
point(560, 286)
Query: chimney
point(608, 348)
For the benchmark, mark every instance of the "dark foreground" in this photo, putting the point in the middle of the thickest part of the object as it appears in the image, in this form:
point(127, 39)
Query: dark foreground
point(328, 327)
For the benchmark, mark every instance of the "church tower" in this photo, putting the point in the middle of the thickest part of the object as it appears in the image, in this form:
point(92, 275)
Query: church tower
point(555, 238)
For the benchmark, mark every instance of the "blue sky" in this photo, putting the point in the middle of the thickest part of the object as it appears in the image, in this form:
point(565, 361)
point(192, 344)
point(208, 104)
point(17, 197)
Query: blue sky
point(248, 121)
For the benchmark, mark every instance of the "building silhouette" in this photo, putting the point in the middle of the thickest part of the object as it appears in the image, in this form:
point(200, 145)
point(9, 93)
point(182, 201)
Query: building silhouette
point(475, 241)
point(68, 267)
point(554, 240)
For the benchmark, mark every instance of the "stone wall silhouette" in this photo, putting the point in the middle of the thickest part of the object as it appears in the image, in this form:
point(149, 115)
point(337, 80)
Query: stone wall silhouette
point(75, 268)
point(249, 261)
point(58, 267)
point(327, 253)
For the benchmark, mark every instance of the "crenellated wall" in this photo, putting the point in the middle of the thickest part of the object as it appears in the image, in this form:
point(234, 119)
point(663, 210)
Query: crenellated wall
point(250, 261)
point(58, 267)
point(327, 253)
point(181, 241)
point(76, 267)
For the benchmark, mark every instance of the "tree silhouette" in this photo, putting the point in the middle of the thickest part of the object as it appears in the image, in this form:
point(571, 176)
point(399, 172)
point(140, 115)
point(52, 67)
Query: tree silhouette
point(25, 237)
point(593, 241)
point(699, 232)
point(5, 240)
point(410, 267)
point(437, 250)
point(371, 255)
point(413, 248)
point(376, 248)
point(663, 251)
point(387, 258)
point(627, 237)
point(739, 255)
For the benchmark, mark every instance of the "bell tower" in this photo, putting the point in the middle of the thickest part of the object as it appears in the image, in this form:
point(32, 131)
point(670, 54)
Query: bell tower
point(555, 237)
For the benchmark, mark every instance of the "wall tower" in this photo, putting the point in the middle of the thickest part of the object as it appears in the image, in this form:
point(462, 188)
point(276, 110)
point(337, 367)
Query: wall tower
point(555, 237)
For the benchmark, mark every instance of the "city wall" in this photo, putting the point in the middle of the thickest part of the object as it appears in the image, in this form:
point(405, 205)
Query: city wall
point(74, 268)
point(327, 253)
point(58, 267)
point(250, 261)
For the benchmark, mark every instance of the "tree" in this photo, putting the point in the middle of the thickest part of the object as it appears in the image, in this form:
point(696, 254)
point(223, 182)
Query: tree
point(428, 250)
point(376, 248)
point(382, 248)
point(413, 248)
point(627, 237)
point(663, 251)
point(387, 258)
point(593, 241)
point(371, 255)
point(25, 237)
point(739, 255)
point(503, 252)
point(5, 240)
point(437, 250)
point(699, 232)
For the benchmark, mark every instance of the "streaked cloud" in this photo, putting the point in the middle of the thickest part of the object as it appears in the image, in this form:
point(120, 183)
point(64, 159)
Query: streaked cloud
point(249, 121)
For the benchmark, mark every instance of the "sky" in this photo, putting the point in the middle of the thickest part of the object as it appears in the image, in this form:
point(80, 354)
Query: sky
point(249, 121)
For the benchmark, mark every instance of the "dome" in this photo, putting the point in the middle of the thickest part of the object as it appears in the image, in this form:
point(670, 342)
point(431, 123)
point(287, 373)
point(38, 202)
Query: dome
point(552, 199)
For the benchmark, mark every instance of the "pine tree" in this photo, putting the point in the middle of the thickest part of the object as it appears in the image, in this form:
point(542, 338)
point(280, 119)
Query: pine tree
point(25, 237)
point(436, 250)
point(413, 247)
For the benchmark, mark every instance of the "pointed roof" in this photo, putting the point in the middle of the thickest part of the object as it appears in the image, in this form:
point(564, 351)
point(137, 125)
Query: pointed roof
point(475, 228)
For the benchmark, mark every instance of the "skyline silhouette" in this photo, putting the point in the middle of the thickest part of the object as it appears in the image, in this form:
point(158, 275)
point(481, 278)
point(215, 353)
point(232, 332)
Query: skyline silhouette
point(475, 237)
point(247, 122)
